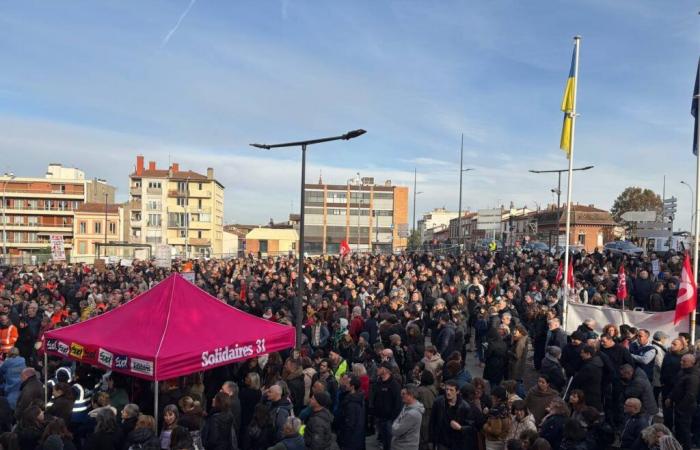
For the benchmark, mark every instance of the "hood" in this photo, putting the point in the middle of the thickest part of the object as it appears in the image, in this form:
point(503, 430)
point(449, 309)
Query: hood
point(417, 406)
point(141, 435)
point(548, 393)
point(324, 414)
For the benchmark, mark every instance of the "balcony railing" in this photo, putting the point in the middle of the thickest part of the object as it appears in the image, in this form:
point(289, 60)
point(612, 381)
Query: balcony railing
point(135, 204)
point(177, 193)
point(157, 191)
point(199, 241)
point(37, 208)
point(38, 225)
point(135, 190)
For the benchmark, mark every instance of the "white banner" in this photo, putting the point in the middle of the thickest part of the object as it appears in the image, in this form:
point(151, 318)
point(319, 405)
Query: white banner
point(652, 321)
point(58, 250)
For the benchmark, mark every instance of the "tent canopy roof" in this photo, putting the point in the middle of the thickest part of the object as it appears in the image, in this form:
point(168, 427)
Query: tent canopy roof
point(172, 330)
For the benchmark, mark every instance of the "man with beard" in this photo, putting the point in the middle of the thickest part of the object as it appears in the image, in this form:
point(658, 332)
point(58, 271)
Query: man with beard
point(669, 376)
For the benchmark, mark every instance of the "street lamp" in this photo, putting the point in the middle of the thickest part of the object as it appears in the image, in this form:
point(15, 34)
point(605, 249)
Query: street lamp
point(692, 202)
point(8, 177)
point(558, 191)
point(359, 209)
point(300, 276)
point(459, 212)
point(187, 217)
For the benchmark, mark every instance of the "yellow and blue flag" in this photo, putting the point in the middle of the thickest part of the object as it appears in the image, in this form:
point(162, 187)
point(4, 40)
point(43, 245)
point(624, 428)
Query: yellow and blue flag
point(567, 106)
point(694, 110)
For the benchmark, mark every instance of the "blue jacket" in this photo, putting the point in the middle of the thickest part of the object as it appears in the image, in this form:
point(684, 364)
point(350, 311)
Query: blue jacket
point(10, 372)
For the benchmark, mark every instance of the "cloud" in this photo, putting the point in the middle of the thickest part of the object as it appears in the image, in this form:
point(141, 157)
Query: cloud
point(167, 37)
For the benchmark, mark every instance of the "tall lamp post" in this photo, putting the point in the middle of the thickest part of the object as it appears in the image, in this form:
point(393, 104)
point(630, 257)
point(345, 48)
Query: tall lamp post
point(692, 202)
point(300, 270)
point(8, 177)
point(359, 209)
point(187, 218)
point(459, 212)
point(558, 190)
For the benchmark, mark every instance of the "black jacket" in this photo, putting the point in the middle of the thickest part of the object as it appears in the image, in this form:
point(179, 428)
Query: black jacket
point(496, 359)
point(216, 434)
point(554, 373)
point(386, 398)
point(62, 408)
point(145, 437)
point(295, 382)
point(441, 433)
point(685, 392)
point(318, 434)
point(31, 391)
point(350, 421)
point(104, 441)
point(552, 429)
point(639, 387)
point(589, 379)
point(556, 338)
point(571, 359)
point(632, 431)
point(669, 371)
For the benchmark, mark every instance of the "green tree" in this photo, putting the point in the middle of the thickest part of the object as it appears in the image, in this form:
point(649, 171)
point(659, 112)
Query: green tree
point(636, 199)
point(414, 240)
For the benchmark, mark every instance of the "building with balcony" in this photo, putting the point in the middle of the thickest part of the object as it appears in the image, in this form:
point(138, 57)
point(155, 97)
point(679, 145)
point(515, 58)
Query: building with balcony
point(36, 208)
point(183, 209)
point(369, 216)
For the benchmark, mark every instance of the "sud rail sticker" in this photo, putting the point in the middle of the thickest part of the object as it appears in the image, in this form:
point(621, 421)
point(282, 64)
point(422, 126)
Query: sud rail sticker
point(142, 366)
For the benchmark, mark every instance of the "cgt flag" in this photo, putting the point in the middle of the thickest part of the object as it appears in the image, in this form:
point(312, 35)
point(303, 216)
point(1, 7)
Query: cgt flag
point(560, 274)
point(567, 107)
point(621, 284)
point(687, 293)
point(344, 248)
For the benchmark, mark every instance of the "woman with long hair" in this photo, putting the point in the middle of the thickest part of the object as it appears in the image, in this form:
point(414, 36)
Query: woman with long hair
point(56, 431)
point(170, 417)
point(107, 434)
point(260, 434)
point(30, 427)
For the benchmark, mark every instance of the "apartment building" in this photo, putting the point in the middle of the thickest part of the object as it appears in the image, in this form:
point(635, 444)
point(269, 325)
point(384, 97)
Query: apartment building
point(437, 220)
point(183, 209)
point(35, 208)
point(91, 225)
point(370, 217)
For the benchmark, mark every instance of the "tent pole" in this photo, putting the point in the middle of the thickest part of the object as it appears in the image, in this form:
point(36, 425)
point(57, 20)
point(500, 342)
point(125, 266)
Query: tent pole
point(46, 378)
point(155, 404)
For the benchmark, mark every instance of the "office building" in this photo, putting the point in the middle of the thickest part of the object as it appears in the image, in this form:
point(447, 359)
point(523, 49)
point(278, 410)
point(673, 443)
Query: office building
point(183, 209)
point(369, 216)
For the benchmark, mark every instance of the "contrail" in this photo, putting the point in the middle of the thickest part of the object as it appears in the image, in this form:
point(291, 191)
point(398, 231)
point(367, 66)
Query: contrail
point(177, 25)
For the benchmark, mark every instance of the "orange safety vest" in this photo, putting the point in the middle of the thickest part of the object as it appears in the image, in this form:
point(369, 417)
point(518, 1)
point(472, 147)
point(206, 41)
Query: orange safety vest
point(8, 337)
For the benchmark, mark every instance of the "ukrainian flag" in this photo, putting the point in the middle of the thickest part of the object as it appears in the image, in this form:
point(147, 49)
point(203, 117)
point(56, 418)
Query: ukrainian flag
point(567, 106)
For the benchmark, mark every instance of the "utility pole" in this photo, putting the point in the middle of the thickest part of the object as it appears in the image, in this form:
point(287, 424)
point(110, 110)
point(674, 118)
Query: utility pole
point(106, 195)
point(459, 213)
point(414, 199)
point(187, 217)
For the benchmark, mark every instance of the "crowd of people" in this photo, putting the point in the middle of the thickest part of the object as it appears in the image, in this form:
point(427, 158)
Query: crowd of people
point(391, 349)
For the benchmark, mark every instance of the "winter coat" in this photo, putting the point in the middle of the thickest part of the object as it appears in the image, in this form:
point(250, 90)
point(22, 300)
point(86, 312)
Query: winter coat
point(632, 430)
point(142, 438)
point(295, 442)
point(553, 371)
point(386, 398)
point(537, 401)
point(669, 371)
point(426, 396)
point(217, 431)
point(279, 411)
point(496, 360)
point(552, 430)
point(441, 433)
point(297, 389)
point(498, 424)
point(518, 426)
point(10, 371)
point(518, 358)
point(405, 431)
point(31, 390)
point(446, 340)
point(685, 392)
point(105, 441)
point(350, 422)
point(571, 359)
point(590, 380)
point(639, 387)
point(556, 338)
point(318, 434)
point(62, 407)
point(28, 437)
point(249, 398)
point(434, 365)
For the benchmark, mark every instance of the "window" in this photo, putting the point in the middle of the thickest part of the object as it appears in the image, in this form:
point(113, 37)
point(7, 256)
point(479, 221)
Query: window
point(177, 220)
point(199, 203)
point(182, 233)
point(199, 234)
point(154, 185)
point(83, 228)
point(336, 212)
point(154, 220)
point(200, 186)
point(47, 204)
point(153, 205)
point(182, 186)
point(181, 201)
point(33, 221)
point(82, 247)
point(263, 246)
point(98, 227)
point(582, 238)
point(112, 228)
point(206, 218)
point(32, 237)
point(33, 204)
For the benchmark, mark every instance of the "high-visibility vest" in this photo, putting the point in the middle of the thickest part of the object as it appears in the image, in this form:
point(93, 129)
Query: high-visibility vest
point(8, 337)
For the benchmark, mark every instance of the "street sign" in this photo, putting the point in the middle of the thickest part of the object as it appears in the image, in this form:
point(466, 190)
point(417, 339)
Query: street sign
point(639, 216)
point(654, 233)
point(489, 219)
point(653, 225)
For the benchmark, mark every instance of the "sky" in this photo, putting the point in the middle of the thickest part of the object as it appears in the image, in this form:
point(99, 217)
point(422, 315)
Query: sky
point(92, 84)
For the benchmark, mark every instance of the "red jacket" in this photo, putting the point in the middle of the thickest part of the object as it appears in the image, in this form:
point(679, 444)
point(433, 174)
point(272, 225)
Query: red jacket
point(356, 327)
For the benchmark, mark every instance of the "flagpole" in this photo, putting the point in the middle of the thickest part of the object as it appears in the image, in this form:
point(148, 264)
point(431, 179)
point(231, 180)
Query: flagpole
point(697, 222)
point(577, 43)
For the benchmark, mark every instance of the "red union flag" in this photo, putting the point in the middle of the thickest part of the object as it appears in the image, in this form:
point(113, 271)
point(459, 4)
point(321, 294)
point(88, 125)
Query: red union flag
point(344, 248)
point(559, 276)
point(687, 293)
point(621, 284)
point(570, 275)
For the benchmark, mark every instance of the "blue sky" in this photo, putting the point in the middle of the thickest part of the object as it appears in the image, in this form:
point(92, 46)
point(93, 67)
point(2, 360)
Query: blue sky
point(93, 84)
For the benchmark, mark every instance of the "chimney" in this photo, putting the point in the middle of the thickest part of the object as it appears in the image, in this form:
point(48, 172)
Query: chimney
point(139, 165)
point(151, 165)
point(210, 173)
point(176, 167)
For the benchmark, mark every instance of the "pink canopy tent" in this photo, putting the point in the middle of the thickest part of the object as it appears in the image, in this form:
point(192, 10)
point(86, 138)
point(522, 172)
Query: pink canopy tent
point(172, 330)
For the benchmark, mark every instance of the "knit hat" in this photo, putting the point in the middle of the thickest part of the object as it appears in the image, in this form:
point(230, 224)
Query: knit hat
point(323, 399)
point(365, 335)
point(343, 323)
